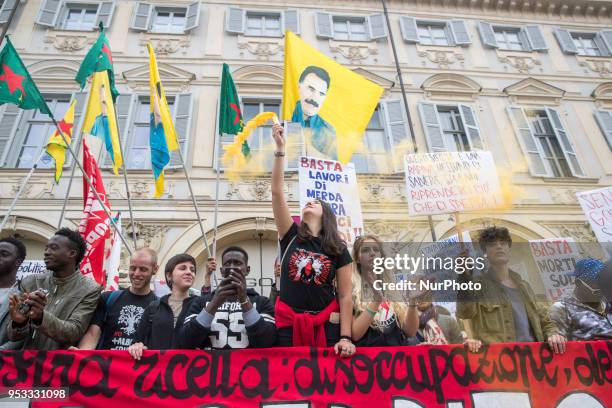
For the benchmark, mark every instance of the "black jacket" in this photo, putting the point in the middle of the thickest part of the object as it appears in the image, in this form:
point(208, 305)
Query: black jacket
point(228, 329)
point(156, 329)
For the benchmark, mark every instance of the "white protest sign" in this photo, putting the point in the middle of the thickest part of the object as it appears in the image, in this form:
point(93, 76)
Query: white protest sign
point(556, 259)
point(448, 182)
point(336, 184)
point(31, 268)
point(597, 206)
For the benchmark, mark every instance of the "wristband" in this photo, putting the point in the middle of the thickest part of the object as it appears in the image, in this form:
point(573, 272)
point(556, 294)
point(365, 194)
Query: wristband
point(279, 154)
point(370, 311)
point(245, 302)
point(347, 338)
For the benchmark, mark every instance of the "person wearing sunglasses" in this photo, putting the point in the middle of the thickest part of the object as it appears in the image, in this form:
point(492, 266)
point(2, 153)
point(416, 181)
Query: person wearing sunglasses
point(583, 314)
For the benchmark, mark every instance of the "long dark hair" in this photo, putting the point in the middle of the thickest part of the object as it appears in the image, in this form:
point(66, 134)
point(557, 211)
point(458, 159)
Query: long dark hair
point(331, 243)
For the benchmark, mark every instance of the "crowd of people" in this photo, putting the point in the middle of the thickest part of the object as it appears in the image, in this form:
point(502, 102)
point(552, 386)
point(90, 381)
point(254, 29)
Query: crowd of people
point(325, 299)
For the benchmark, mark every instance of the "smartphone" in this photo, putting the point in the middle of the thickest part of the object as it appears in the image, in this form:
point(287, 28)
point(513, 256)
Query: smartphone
point(24, 308)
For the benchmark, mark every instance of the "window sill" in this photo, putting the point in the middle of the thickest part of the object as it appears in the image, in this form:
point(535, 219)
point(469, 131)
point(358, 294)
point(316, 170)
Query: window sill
point(573, 180)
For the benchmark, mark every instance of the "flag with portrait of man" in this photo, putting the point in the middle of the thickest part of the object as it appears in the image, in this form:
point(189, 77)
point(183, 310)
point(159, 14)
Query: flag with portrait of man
point(331, 103)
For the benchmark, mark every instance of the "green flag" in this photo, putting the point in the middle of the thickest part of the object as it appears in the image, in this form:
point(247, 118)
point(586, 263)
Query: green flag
point(16, 84)
point(230, 116)
point(99, 58)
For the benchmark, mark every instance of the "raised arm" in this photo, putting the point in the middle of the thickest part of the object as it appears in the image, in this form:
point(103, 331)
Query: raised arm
point(282, 216)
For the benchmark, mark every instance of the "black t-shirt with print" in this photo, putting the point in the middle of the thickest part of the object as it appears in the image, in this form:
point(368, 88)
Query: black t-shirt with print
point(384, 329)
point(119, 327)
point(307, 274)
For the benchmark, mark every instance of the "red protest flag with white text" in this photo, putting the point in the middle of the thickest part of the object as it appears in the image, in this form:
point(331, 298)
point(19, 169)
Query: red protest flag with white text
point(95, 226)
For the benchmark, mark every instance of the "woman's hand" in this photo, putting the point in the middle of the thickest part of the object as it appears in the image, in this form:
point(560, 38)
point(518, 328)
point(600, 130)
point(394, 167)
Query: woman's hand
point(345, 347)
point(473, 345)
point(278, 134)
point(136, 350)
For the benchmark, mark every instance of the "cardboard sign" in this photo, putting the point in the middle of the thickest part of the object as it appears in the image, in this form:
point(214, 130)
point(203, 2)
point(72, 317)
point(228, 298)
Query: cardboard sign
point(597, 206)
point(448, 182)
point(336, 184)
point(556, 259)
point(31, 268)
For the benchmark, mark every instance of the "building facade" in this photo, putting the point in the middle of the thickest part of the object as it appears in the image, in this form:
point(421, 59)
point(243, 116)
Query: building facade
point(531, 81)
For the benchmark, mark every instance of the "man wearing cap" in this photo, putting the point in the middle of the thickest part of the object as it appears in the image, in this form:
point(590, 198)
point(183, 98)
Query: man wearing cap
point(583, 315)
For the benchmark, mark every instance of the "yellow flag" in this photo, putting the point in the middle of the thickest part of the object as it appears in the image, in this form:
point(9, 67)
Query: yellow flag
point(56, 147)
point(159, 104)
point(331, 102)
point(100, 117)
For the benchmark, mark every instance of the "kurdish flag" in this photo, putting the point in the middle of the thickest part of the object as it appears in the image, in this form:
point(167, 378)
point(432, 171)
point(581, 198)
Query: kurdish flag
point(56, 147)
point(16, 84)
point(230, 116)
point(100, 117)
point(162, 134)
point(98, 59)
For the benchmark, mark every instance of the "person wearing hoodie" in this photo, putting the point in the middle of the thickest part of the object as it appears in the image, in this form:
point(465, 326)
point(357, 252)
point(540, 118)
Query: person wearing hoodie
point(231, 316)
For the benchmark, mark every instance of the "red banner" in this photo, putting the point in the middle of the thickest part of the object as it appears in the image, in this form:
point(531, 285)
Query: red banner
point(521, 375)
point(95, 226)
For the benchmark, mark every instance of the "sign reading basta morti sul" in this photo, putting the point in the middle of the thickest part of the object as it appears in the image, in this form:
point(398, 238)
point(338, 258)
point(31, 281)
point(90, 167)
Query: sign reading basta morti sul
point(556, 259)
point(449, 182)
point(336, 184)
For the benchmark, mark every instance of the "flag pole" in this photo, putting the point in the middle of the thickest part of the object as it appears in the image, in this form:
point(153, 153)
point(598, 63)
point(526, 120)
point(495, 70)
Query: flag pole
point(20, 191)
point(127, 189)
point(217, 183)
point(9, 21)
point(90, 184)
point(403, 89)
point(193, 199)
point(72, 169)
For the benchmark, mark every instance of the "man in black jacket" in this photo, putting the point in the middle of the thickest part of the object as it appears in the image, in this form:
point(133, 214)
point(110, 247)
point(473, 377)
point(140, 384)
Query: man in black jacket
point(232, 316)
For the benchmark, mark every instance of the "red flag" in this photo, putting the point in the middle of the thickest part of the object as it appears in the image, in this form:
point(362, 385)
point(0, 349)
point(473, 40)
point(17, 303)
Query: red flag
point(95, 226)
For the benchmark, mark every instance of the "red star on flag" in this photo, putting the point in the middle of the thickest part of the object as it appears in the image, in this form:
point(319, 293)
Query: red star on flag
point(107, 51)
point(235, 108)
point(13, 81)
point(66, 128)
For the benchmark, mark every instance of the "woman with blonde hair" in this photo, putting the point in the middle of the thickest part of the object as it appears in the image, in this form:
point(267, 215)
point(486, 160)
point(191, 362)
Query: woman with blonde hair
point(377, 322)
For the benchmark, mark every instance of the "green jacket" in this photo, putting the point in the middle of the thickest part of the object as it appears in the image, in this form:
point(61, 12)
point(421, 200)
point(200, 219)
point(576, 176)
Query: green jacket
point(70, 304)
point(490, 311)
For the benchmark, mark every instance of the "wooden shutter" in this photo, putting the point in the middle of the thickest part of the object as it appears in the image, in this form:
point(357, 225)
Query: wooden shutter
point(49, 12)
point(193, 16)
point(396, 126)
point(141, 16)
point(10, 115)
point(470, 124)
point(487, 35)
point(377, 26)
point(235, 20)
point(6, 9)
point(291, 21)
point(324, 25)
point(432, 127)
point(602, 45)
point(460, 32)
point(565, 40)
point(604, 119)
point(536, 38)
point(564, 141)
point(527, 141)
point(106, 9)
point(183, 107)
point(409, 30)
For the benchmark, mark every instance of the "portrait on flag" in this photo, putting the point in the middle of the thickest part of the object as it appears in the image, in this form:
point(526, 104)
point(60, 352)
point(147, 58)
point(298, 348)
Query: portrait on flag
point(332, 104)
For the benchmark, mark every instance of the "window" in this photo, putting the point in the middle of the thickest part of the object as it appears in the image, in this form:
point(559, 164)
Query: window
point(545, 142)
point(6, 7)
point(432, 34)
point(263, 25)
point(525, 38)
point(604, 119)
point(168, 20)
point(82, 16)
point(261, 138)
point(350, 28)
point(452, 128)
point(508, 39)
point(585, 44)
point(165, 19)
point(597, 44)
point(428, 32)
point(545, 136)
point(375, 158)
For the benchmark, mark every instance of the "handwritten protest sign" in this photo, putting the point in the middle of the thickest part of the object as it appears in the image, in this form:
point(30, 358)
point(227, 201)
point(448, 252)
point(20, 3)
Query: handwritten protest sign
point(597, 206)
point(448, 182)
point(336, 184)
point(556, 259)
point(31, 268)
